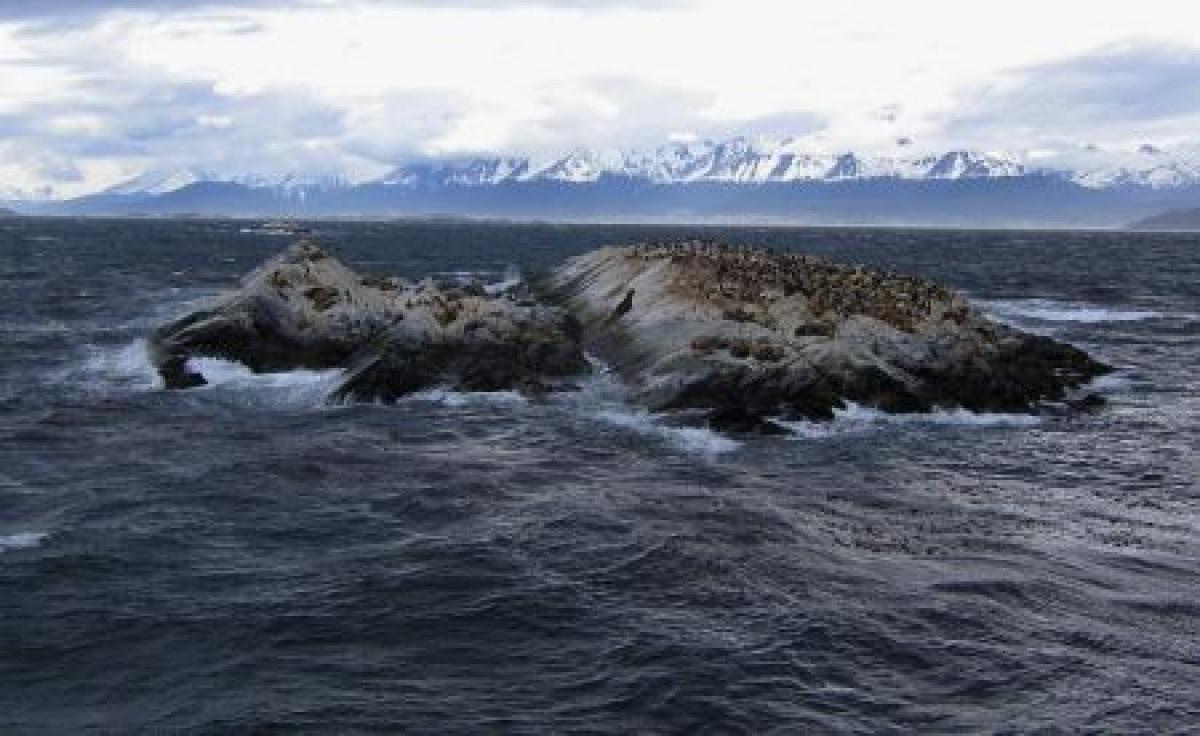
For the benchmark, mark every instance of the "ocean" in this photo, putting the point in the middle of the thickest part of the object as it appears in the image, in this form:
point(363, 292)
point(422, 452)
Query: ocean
point(244, 558)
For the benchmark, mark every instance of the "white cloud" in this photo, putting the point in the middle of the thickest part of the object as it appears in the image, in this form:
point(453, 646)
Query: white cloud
point(272, 84)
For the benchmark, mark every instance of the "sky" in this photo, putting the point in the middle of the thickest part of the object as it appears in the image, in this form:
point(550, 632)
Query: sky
point(94, 92)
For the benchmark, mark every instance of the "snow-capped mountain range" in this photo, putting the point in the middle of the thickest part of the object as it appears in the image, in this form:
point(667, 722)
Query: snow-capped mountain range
point(697, 180)
point(156, 182)
point(738, 160)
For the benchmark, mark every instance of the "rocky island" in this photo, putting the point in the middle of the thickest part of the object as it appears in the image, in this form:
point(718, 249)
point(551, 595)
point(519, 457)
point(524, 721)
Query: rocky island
point(750, 333)
point(305, 309)
point(739, 335)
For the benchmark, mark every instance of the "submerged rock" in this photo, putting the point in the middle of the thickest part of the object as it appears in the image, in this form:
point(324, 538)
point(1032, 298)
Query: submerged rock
point(748, 333)
point(305, 309)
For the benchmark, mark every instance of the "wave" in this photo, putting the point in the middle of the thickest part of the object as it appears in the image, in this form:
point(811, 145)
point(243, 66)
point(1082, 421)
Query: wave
point(512, 279)
point(22, 540)
point(448, 397)
point(697, 440)
point(124, 367)
point(1119, 381)
point(290, 389)
point(602, 396)
point(857, 419)
point(127, 369)
point(1049, 310)
point(493, 282)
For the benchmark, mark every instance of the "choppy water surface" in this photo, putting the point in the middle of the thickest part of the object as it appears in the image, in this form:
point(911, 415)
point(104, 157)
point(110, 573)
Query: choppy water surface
point(242, 558)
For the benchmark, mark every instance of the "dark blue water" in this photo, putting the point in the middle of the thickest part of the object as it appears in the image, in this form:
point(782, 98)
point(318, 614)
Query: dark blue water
point(243, 559)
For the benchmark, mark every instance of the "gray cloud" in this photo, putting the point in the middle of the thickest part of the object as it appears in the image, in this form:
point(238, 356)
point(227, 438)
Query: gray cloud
point(139, 118)
point(121, 115)
point(1117, 90)
point(148, 119)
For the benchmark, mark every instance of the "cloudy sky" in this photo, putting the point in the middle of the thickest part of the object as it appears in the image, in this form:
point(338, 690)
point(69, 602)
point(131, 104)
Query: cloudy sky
point(94, 91)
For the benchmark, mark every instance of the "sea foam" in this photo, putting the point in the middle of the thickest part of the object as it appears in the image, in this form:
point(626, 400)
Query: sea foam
point(1048, 310)
point(290, 389)
point(449, 397)
point(603, 397)
point(697, 440)
point(22, 540)
point(126, 366)
point(857, 419)
point(511, 280)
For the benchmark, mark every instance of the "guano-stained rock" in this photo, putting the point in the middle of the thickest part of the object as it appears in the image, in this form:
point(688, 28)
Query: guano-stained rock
point(739, 335)
point(305, 309)
point(750, 334)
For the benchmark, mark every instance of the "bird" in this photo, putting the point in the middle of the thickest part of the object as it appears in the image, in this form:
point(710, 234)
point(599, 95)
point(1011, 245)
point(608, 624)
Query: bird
point(622, 308)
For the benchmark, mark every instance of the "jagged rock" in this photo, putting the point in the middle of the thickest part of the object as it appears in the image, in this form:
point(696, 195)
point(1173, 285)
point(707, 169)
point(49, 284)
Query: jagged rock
point(305, 309)
point(736, 335)
point(747, 333)
point(484, 344)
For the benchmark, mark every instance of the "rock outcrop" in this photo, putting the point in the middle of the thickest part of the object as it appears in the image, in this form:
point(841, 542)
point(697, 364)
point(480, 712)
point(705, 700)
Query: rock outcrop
point(747, 334)
point(740, 335)
point(305, 309)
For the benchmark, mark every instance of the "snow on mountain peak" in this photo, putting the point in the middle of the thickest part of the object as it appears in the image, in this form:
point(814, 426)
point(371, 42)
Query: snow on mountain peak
point(159, 181)
point(737, 160)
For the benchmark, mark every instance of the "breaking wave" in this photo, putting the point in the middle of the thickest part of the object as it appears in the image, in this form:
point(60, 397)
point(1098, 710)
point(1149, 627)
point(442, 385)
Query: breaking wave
point(856, 419)
point(452, 398)
point(602, 396)
point(125, 367)
point(1048, 310)
point(696, 440)
point(22, 540)
point(291, 389)
point(512, 279)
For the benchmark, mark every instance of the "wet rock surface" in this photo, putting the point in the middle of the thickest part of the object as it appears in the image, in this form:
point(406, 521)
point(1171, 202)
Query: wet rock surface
point(305, 309)
point(752, 333)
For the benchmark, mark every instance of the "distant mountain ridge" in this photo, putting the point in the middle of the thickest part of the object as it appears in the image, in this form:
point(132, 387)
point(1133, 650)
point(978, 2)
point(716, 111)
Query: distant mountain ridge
point(736, 160)
point(1181, 219)
point(736, 178)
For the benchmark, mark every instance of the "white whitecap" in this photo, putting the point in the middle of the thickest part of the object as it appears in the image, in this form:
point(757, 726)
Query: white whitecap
point(512, 279)
point(602, 396)
point(953, 417)
point(689, 439)
point(1049, 310)
point(1111, 382)
point(856, 419)
point(125, 366)
point(22, 540)
point(298, 388)
point(447, 397)
point(805, 429)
